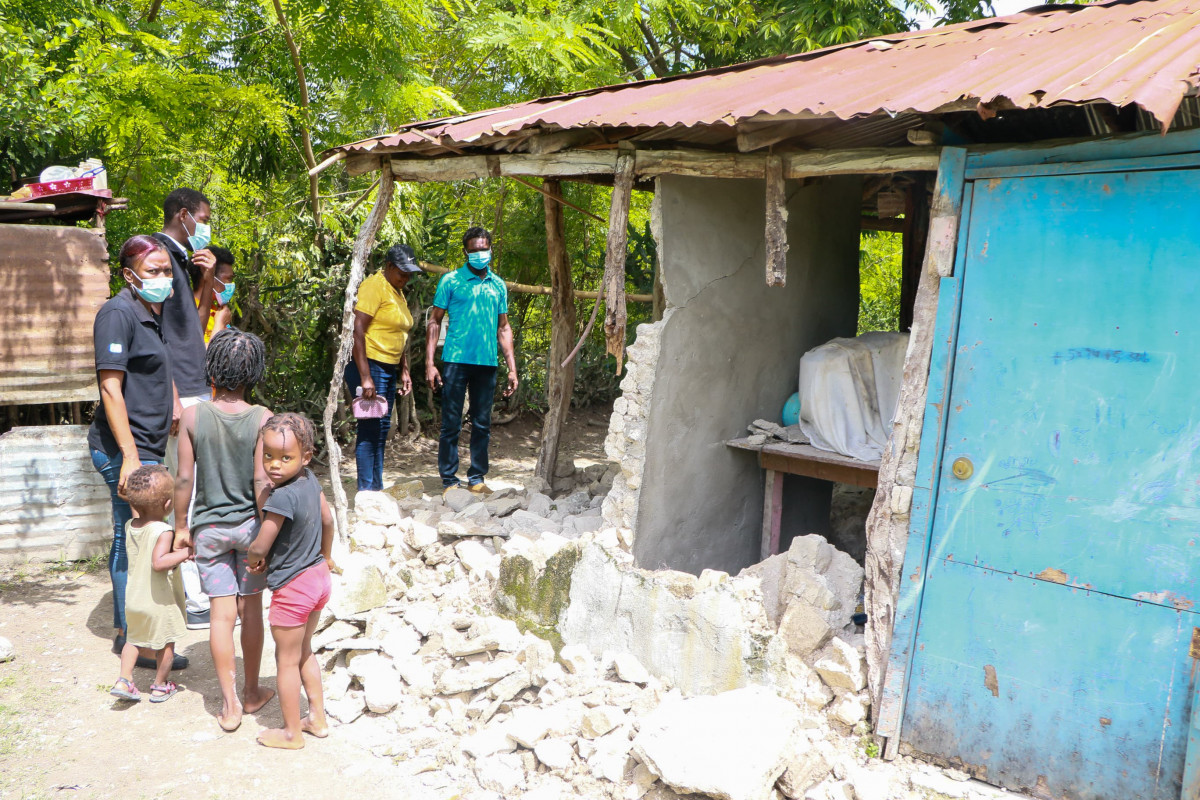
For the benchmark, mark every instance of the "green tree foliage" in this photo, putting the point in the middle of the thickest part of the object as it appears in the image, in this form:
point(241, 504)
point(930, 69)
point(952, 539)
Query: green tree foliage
point(879, 271)
point(212, 95)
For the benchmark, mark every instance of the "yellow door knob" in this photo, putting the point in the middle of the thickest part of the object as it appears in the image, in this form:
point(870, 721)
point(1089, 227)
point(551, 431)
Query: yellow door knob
point(962, 468)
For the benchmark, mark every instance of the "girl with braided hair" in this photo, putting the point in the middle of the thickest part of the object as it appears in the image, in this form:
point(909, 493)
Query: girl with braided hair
point(220, 452)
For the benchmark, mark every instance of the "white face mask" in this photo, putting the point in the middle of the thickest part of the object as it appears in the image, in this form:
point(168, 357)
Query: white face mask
point(201, 235)
point(152, 290)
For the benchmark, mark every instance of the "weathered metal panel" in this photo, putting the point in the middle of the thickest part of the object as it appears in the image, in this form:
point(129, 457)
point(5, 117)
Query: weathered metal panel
point(53, 279)
point(1092, 705)
point(1141, 53)
point(1052, 649)
point(53, 503)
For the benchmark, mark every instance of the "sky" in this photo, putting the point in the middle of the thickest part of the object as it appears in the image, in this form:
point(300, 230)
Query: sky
point(1002, 7)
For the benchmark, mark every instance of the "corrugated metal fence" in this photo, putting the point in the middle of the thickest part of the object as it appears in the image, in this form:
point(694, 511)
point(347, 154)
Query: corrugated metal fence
point(53, 503)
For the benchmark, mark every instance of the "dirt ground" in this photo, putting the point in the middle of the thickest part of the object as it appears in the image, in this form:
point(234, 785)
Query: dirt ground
point(62, 735)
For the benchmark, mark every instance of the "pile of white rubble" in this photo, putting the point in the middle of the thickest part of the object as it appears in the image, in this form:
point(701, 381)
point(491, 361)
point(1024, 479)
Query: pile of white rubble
point(420, 669)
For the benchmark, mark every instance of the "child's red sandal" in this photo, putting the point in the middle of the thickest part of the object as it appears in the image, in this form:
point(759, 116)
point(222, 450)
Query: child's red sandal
point(164, 692)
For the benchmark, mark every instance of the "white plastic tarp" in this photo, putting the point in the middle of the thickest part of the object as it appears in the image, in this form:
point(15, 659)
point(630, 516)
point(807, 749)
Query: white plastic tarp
point(849, 389)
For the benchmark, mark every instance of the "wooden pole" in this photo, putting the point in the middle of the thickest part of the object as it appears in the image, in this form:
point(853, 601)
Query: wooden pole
point(358, 266)
point(560, 380)
point(614, 260)
point(525, 288)
point(888, 522)
point(777, 245)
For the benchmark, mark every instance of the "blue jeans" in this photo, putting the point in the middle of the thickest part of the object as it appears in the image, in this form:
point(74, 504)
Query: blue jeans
point(458, 381)
point(109, 468)
point(373, 433)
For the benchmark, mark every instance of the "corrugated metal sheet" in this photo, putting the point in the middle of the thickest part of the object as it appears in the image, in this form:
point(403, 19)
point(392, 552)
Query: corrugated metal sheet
point(53, 503)
point(53, 280)
point(1144, 53)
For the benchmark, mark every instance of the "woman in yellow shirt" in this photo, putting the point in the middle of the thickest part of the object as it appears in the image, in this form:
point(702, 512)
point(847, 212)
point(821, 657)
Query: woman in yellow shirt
point(381, 325)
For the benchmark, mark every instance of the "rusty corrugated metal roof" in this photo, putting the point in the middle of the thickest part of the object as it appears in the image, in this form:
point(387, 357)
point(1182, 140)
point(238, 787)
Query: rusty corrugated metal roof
point(53, 503)
point(54, 279)
point(1143, 53)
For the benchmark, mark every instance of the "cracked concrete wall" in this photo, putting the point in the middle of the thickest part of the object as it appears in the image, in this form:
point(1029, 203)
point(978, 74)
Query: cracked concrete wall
point(730, 353)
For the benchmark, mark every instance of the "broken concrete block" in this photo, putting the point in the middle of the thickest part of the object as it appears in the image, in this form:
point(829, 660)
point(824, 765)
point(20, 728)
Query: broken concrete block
point(731, 746)
point(803, 771)
point(359, 588)
point(376, 508)
point(849, 710)
point(404, 490)
point(556, 754)
point(477, 512)
point(611, 760)
point(348, 709)
point(600, 720)
point(527, 521)
point(502, 507)
point(477, 559)
point(457, 499)
point(475, 676)
point(419, 535)
point(528, 726)
point(577, 660)
point(368, 535)
point(846, 668)
point(537, 654)
point(630, 670)
point(804, 628)
point(422, 616)
point(487, 742)
point(503, 773)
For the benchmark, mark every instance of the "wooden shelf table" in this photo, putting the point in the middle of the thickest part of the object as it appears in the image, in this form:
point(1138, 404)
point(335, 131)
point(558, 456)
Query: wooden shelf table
point(779, 458)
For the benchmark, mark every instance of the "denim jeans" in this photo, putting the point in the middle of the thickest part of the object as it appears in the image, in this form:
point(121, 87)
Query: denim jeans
point(479, 383)
point(373, 433)
point(109, 468)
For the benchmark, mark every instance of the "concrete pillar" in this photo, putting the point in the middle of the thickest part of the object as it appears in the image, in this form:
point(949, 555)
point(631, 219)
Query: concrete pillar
point(730, 353)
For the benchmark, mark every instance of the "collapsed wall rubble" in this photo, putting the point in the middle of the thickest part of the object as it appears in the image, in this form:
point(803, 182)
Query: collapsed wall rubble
point(510, 648)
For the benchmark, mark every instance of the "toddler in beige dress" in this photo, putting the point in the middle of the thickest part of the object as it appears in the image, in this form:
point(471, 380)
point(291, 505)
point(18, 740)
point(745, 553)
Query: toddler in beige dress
point(154, 598)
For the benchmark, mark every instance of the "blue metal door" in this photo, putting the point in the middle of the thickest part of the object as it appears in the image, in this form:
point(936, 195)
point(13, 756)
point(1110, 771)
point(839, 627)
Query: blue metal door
point(1052, 648)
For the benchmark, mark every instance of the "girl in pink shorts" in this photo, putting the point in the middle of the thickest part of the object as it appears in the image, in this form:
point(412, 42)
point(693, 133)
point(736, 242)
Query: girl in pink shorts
point(293, 548)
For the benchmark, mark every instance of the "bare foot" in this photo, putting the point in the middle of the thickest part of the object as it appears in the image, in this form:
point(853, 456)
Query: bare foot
point(230, 719)
point(254, 701)
point(310, 726)
point(279, 737)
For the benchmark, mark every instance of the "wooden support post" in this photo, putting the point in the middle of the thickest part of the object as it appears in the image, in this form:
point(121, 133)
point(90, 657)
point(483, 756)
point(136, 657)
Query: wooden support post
point(614, 260)
point(358, 266)
point(560, 380)
point(887, 524)
point(772, 513)
point(777, 214)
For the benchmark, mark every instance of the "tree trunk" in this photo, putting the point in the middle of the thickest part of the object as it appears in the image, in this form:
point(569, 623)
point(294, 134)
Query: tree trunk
point(310, 161)
point(358, 266)
point(560, 380)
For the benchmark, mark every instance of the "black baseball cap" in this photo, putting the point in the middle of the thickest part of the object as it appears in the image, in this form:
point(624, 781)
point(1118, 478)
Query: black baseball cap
point(403, 257)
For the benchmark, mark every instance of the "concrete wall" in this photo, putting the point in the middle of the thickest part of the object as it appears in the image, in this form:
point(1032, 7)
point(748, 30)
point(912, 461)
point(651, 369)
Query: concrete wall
point(730, 353)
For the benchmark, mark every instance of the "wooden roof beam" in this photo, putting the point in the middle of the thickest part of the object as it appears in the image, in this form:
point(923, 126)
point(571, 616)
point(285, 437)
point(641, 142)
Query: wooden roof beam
point(649, 164)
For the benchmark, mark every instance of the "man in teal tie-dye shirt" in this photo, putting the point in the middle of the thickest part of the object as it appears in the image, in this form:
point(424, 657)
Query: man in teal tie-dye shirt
point(476, 300)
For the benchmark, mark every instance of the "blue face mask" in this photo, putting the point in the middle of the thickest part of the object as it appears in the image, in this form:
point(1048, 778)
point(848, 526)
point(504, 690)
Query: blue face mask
point(480, 260)
point(201, 236)
point(226, 294)
point(152, 290)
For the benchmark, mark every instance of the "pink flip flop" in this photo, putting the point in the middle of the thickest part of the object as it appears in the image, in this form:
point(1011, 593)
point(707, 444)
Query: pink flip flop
point(168, 689)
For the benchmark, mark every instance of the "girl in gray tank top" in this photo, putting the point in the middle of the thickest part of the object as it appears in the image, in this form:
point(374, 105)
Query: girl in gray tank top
point(220, 454)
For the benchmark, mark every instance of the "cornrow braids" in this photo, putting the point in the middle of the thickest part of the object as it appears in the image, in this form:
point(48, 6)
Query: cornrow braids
point(296, 424)
point(235, 359)
point(148, 484)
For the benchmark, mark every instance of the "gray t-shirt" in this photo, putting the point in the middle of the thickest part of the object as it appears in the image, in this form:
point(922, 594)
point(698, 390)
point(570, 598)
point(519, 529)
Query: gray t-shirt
point(298, 545)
